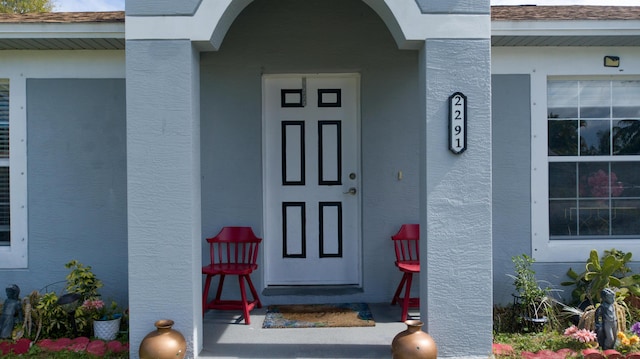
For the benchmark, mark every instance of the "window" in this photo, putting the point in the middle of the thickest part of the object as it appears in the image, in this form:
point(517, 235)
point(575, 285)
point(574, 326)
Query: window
point(13, 220)
point(593, 159)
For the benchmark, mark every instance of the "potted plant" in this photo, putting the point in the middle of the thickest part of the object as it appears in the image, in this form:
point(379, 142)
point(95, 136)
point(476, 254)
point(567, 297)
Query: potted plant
point(106, 318)
point(533, 301)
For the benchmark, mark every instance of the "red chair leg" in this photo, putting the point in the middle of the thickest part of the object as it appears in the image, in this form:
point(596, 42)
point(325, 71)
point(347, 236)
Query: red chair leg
point(220, 284)
point(396, 295)
point(407, 297)
point(254, 293)
point(205, 294)
point(245, 305)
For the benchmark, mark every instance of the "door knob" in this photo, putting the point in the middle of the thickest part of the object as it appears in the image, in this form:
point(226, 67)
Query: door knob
point(352, 191)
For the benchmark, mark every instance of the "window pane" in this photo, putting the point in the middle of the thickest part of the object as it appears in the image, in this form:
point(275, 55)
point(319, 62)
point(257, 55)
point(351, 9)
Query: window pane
point(594, 180)
point(563, 138)
point(562, 99)
point(625, 217)
point(563, 218)
point(562, 180)
point(626, 137)
point(625, 96)
point(625, 178)
point(4, 118)
point(594, 137)
point(595, 99)
point(593, 218)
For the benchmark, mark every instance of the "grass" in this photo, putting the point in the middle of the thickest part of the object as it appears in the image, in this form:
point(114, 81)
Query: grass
point(534, 342)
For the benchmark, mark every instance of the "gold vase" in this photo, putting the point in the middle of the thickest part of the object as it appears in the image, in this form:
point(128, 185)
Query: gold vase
point(413, 343)
point(163, 343)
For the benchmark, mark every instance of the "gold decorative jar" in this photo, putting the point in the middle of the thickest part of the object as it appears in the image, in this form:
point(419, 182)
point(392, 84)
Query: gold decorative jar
point(163, 343)
point(413, 343)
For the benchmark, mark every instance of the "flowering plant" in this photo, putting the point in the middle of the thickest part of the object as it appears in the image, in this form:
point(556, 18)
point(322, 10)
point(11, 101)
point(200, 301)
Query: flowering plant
point(628, 343)
point(97, 310)
point(583, 336)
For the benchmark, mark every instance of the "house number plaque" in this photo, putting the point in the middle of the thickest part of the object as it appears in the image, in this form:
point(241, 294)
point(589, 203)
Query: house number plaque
point(457, 123)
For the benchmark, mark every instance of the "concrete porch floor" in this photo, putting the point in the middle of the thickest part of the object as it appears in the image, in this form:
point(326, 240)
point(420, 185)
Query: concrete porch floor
point(226, 336)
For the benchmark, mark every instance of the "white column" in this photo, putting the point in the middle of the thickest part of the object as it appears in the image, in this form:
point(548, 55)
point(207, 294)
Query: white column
point(163, 179)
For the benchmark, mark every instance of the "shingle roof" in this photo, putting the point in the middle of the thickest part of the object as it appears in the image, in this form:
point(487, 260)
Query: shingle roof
point(574, 12)
point(63, 17)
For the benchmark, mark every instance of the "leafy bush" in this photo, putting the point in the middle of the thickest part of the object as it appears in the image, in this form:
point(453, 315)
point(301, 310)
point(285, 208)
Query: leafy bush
point(609, 271)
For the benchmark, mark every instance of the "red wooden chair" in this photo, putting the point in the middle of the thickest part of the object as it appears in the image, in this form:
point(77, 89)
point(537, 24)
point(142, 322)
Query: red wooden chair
point(233, 251)
point(406, 243)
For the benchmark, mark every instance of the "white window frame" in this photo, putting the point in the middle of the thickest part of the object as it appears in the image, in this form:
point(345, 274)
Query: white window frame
point(15, 255)
point(559, 250)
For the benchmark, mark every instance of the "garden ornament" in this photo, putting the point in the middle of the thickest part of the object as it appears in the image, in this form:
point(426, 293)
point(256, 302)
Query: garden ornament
point(11, 309)
point(606, 322)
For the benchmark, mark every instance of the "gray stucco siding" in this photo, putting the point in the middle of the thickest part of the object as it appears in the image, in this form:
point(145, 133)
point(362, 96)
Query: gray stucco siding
point(457, 194)
point(308, 37)
point(76, 183)
point(454, 7)
point(511, 129)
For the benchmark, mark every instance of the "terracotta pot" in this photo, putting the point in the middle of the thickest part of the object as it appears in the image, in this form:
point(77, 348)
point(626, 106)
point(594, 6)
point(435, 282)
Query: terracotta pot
point(163, 343)
point(413, 343)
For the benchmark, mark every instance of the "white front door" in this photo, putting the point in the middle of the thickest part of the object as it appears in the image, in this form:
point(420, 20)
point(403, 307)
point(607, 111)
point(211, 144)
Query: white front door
point(311, 177)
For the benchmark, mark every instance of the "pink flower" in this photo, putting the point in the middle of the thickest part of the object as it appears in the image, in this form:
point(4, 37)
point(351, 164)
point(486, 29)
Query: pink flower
point(584, 336)
point(581, 335)
point(570, 331)
point(93, 304)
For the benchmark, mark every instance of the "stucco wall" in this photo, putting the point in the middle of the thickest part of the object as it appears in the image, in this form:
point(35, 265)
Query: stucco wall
point(76, 183)
point(312, 36)
point(511, 177)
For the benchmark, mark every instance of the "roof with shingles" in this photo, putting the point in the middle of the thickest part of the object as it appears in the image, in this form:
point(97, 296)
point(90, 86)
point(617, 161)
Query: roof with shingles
point(498, 13)
point(573, 12)
point(63, 17)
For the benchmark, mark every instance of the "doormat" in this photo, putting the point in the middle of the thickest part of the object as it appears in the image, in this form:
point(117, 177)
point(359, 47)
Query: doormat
point(318, 316)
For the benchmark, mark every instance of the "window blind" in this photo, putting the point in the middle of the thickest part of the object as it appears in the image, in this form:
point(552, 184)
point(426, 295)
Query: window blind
point(5, 208)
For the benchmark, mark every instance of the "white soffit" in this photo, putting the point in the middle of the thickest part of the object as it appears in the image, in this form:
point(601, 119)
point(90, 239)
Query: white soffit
point(566, 28)
point(61, 30)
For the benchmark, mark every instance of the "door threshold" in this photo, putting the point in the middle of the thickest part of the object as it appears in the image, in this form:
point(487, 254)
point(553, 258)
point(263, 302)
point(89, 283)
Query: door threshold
point(303, 290)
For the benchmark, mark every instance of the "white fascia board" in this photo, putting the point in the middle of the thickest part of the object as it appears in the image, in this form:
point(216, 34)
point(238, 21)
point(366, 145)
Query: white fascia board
point(61, 30)
point(417, 26)
point(566, 28)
